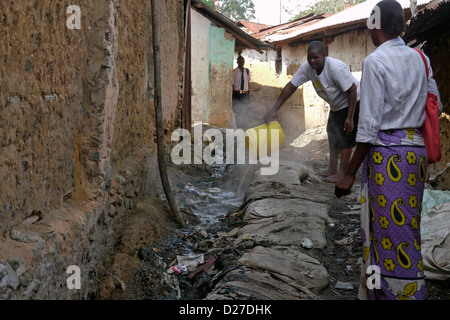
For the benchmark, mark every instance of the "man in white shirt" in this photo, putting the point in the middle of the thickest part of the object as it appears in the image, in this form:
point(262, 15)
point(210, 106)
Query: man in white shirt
point(241, 93)
point(334, 83)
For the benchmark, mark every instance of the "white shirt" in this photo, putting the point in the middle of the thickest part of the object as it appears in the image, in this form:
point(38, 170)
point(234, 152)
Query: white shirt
point(237, 74)
point(332, 83)
point(394, 90)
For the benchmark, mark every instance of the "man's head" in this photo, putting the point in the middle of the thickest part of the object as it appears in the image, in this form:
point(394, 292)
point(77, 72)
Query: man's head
point(391, 22)
point(316, 55)
point(240, 62)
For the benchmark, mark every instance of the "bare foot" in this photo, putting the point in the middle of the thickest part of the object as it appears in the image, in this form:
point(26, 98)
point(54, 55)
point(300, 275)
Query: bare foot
point(334, 178)
point(326, 173)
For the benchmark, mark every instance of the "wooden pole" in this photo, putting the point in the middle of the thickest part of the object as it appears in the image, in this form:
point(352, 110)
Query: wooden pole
point(159, 119)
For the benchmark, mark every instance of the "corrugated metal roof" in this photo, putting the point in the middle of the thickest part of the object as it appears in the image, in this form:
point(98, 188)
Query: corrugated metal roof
point(432, 17)
point(355, 13)
point(289, 26)
point(253, 27)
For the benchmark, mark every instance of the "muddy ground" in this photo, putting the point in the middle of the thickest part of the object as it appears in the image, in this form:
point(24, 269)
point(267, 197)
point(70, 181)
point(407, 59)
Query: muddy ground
point(209, 198)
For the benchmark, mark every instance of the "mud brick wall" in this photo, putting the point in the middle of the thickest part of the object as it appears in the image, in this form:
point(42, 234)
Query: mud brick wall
point(41, 105)
point(135, 125)
point(77, 146)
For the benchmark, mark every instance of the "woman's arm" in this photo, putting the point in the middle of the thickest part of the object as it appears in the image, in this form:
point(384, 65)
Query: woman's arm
point(344, 185)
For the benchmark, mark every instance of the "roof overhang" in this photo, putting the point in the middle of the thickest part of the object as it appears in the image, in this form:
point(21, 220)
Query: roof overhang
point(243, 39)
point(352, 18)
point(433, 18)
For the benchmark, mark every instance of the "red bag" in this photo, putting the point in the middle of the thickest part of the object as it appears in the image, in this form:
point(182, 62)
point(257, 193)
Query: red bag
point(431, 130)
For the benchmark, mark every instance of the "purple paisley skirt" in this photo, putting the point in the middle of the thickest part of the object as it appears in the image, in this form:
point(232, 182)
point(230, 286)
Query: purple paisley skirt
point(393, 179)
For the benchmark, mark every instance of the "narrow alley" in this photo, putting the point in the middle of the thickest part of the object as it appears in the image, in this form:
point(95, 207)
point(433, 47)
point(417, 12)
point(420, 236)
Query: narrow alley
point(104, 196)
point(252, 237)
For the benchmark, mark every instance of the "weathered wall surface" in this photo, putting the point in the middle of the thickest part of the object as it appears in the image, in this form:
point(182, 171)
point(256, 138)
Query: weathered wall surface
point(352, 47)
point(266, 86)
point(211, 67)
point(134, 128)
point(41, 105)
point(199, 66)
point(220, 77)
point(77, 144)
point(315, 108)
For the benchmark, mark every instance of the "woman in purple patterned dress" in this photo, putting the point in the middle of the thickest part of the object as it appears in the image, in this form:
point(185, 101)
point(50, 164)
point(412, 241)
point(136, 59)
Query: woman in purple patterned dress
point(394, 89)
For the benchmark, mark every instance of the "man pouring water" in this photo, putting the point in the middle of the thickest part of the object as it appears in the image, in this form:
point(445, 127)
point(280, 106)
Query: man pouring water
point(334, 83)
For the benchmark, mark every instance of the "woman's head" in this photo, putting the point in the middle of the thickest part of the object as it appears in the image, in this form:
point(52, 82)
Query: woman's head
point(391, 21)
point(392, 17)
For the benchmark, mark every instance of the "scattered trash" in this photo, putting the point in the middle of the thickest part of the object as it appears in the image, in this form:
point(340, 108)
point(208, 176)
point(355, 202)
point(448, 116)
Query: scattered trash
point(204, 268)
point(343, 285)
point(220, 275)
point(215, 190)
point(351, 212)
point(270, 237)
point(354, 207)
point(199, 230)
point(331, 222)
point(190, 189)
point(307, 243)
point(177, 269)
point(231, 233)
point(345, 241)
point(190, 261)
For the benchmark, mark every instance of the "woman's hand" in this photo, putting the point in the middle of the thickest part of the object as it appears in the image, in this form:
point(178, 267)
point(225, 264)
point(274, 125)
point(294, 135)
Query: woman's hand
point(344, 186)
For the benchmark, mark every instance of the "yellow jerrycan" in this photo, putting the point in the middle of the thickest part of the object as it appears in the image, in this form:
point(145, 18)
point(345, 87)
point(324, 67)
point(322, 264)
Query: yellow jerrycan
point(260, 138)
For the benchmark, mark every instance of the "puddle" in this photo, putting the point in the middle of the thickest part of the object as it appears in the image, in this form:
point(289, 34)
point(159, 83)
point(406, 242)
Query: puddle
point(207, 200)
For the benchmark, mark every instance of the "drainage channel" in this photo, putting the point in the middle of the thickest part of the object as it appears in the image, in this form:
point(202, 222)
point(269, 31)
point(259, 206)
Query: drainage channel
point(187, 264)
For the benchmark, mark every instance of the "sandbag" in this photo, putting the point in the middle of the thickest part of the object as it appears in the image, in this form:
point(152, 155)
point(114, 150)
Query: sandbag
point(285, 222)
point(435, 237)
point(288, 262)
point(244, 283)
